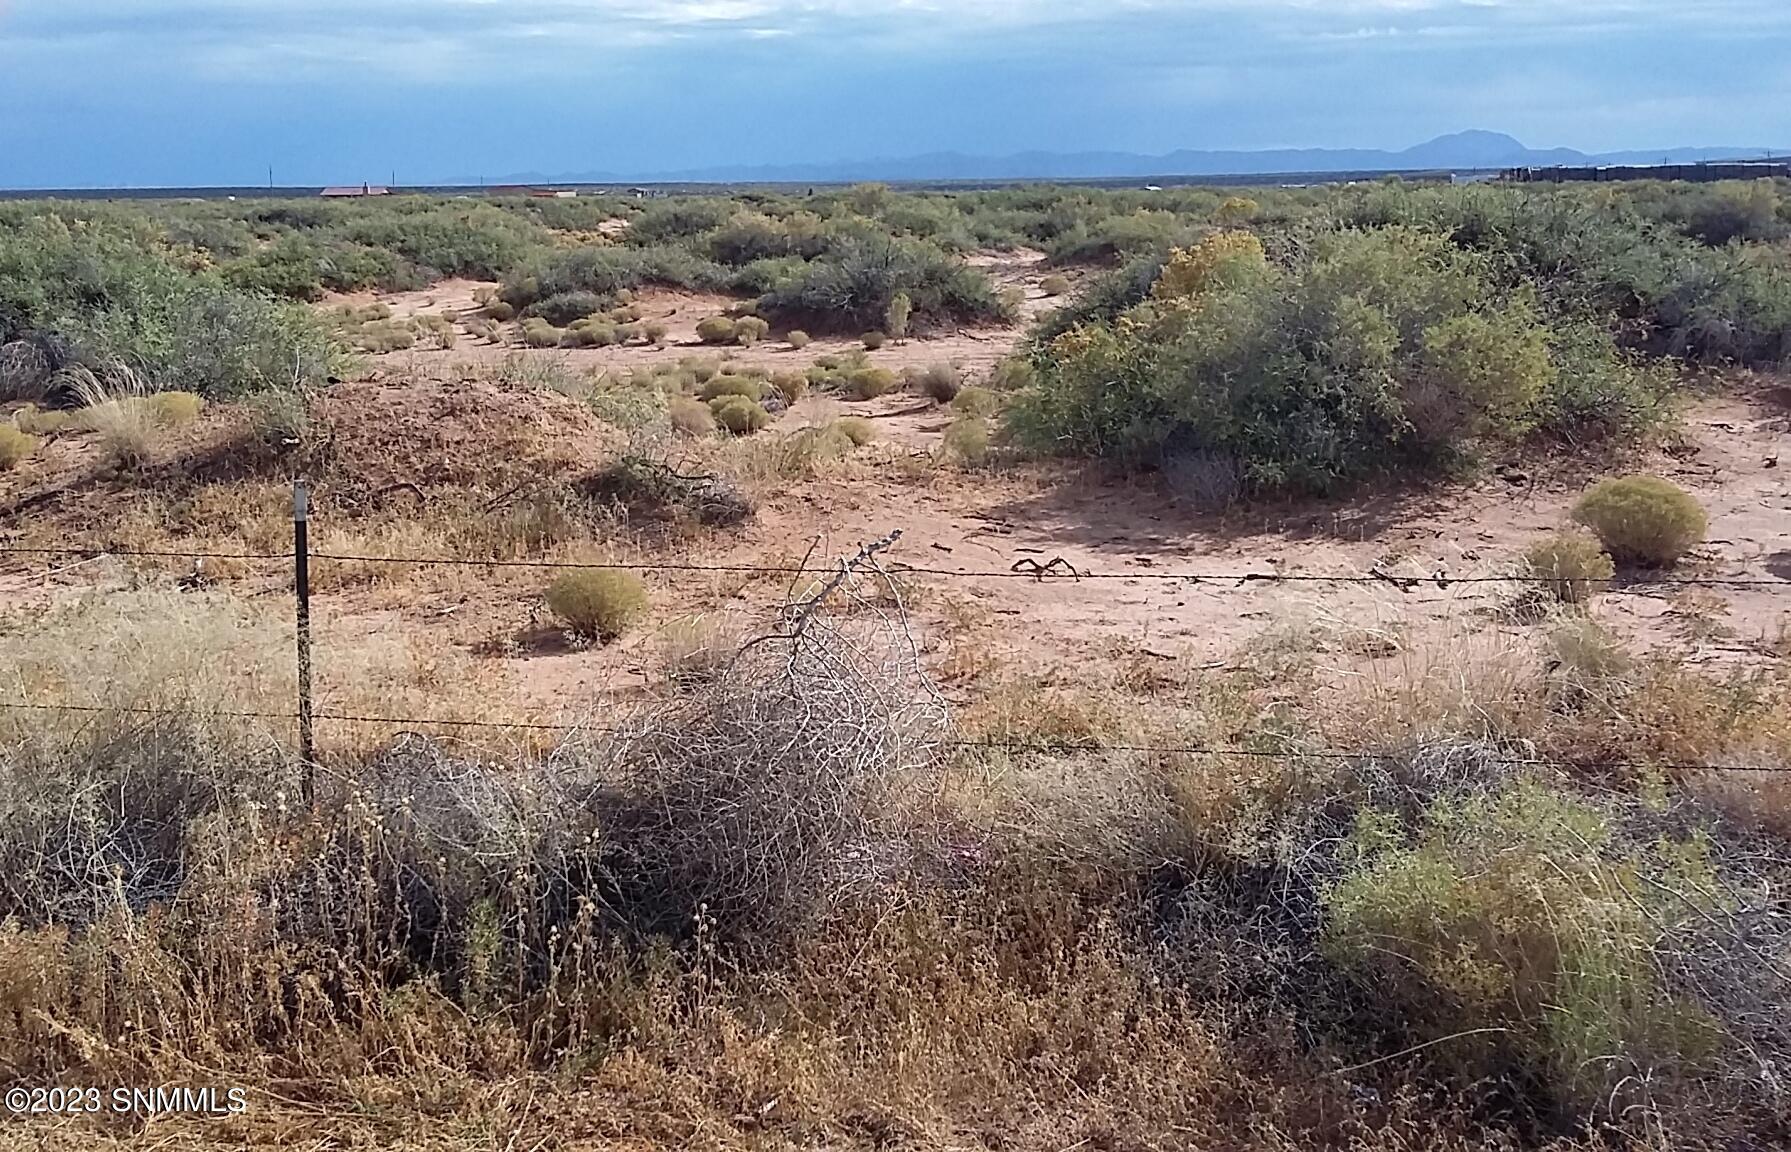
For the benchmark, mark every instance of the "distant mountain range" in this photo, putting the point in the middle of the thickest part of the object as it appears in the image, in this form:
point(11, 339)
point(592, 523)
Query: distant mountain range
point(1463, 150)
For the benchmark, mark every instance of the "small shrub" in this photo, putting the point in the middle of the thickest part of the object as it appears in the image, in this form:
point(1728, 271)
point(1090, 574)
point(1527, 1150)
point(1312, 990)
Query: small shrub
point(716, 330)
point(14, 447)
point(940, 381)
point(542, 335)
point(655, 331)
point(1011, 374)
point(571, 339)
point(740, 415)
point(563, 308)
point(1054, 285)
point(691, 417)
point(967, 440)
point(1572, 563)
point(856, 429)
point(501, 312)
point(701, 368)
point(797, 339)
point(627, 333)
point(36, 421)
point(895, 318)
point(279, 420)
point(1643, 519)
point(793, 385)
point(870, 383)
point(719, 386)
point(974, 401)
point(598, 604)
point(873, 341)
point(599, 335)
point(172, 409)
point(749, 330)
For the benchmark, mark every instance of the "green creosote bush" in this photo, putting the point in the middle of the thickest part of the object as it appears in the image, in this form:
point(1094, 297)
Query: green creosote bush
point(869, 383)
point(716, 330)
point(563, 308)
point(1643, 520)
point(597, 604)
point(1573, 565)
point(873, 341)
point(740, 415)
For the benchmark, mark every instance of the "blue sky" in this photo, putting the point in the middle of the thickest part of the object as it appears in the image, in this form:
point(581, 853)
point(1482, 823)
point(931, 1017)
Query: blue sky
point(113, 92)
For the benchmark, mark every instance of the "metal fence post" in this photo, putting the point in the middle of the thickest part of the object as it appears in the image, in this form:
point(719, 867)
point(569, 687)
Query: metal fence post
point(301, 553)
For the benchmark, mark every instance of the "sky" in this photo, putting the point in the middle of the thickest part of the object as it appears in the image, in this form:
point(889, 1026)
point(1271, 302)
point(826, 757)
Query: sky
point(107, 93)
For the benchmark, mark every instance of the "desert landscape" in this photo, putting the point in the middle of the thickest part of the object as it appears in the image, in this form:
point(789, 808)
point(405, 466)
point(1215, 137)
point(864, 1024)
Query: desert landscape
point(1040, 668)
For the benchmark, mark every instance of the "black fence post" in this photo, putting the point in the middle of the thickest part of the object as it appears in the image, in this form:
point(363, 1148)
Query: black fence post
point(301, 553)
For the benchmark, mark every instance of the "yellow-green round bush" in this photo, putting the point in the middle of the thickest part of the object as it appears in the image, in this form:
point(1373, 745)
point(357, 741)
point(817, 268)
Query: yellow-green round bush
point(793, 385)
point(967, 440)
point(172, 409)
point(1054, 285)
point(739, 415)
point(873, 341)
point(1643, 520)
point(732, 386)
point(749, 330)
point(701, 368)
point(14, 446)
point(690, 417)
point(500, 311)
point(1571, 563)
point(870, 383)
point(975, 401)
point(542, 336)
point(797, 339)
point(716, 330)
point(654, 331)
point(597, 603)
point(856, 429)
point(939, 381)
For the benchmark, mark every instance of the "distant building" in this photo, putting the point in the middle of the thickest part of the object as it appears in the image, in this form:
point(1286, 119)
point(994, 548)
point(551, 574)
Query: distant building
point(363, 190)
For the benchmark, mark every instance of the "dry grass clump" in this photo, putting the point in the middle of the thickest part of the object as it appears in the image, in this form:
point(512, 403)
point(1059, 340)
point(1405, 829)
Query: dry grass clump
point(797, 339)
point(113, 405)
point(976, 402)
point(729, 385)
point(793, 386)
point(1054, 285)
point(749, 330)
point(15, 446)
point(597, 604)
point(538, 333)
point(939, 381)
point(856, 429)
point(690, 417)
point(873, 341)
point(1573, 565)
point(967, 440)
point(1643, 520)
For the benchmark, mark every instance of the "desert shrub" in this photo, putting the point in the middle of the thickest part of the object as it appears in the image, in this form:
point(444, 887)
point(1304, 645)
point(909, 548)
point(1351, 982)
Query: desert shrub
point(15, 446)
point(598, 335)
point(974, 401)
point(537, 333)
point(856, 429)
point(895, 317)
point(691, 417)
point(1369, 351)
point(728, 385)
point(797, 339)
point(940, 381)
point(172, 409)
point(597, 603)
point(570, 338)
point(793, 385)
point(1524, 914)
point(1102, 300)
point(655, 331)
point(1572, 563)
point(869, 383)
point(606, 271)
point(749, 330)
point(1011, 374)
point(562, 308)
point(627, 332)
point(851, 287)
point(647, 493)
point(716, 330)
point(967, 440)
point(1236, 211)
point(1642, 519)
point(740, 415)
point(279, 421)
point(1054, 285)
point(873, 341)
point(35, 421)
point(500, 311)
point(701, 368)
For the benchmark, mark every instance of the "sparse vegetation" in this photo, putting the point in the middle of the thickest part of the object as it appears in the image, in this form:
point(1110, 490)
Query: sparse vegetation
point(716, 330)
point(872, 341)
point(1055, 285)
point(1573, 565)
point(940, 381)
point(740, 415)
point(797, 339)
point(15, 446)
point(868, 383)
point(1643, 520)
point(691, 417)
point(598, 604)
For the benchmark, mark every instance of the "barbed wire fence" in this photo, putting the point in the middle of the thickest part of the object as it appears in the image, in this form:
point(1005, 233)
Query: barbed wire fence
point(305, 715)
